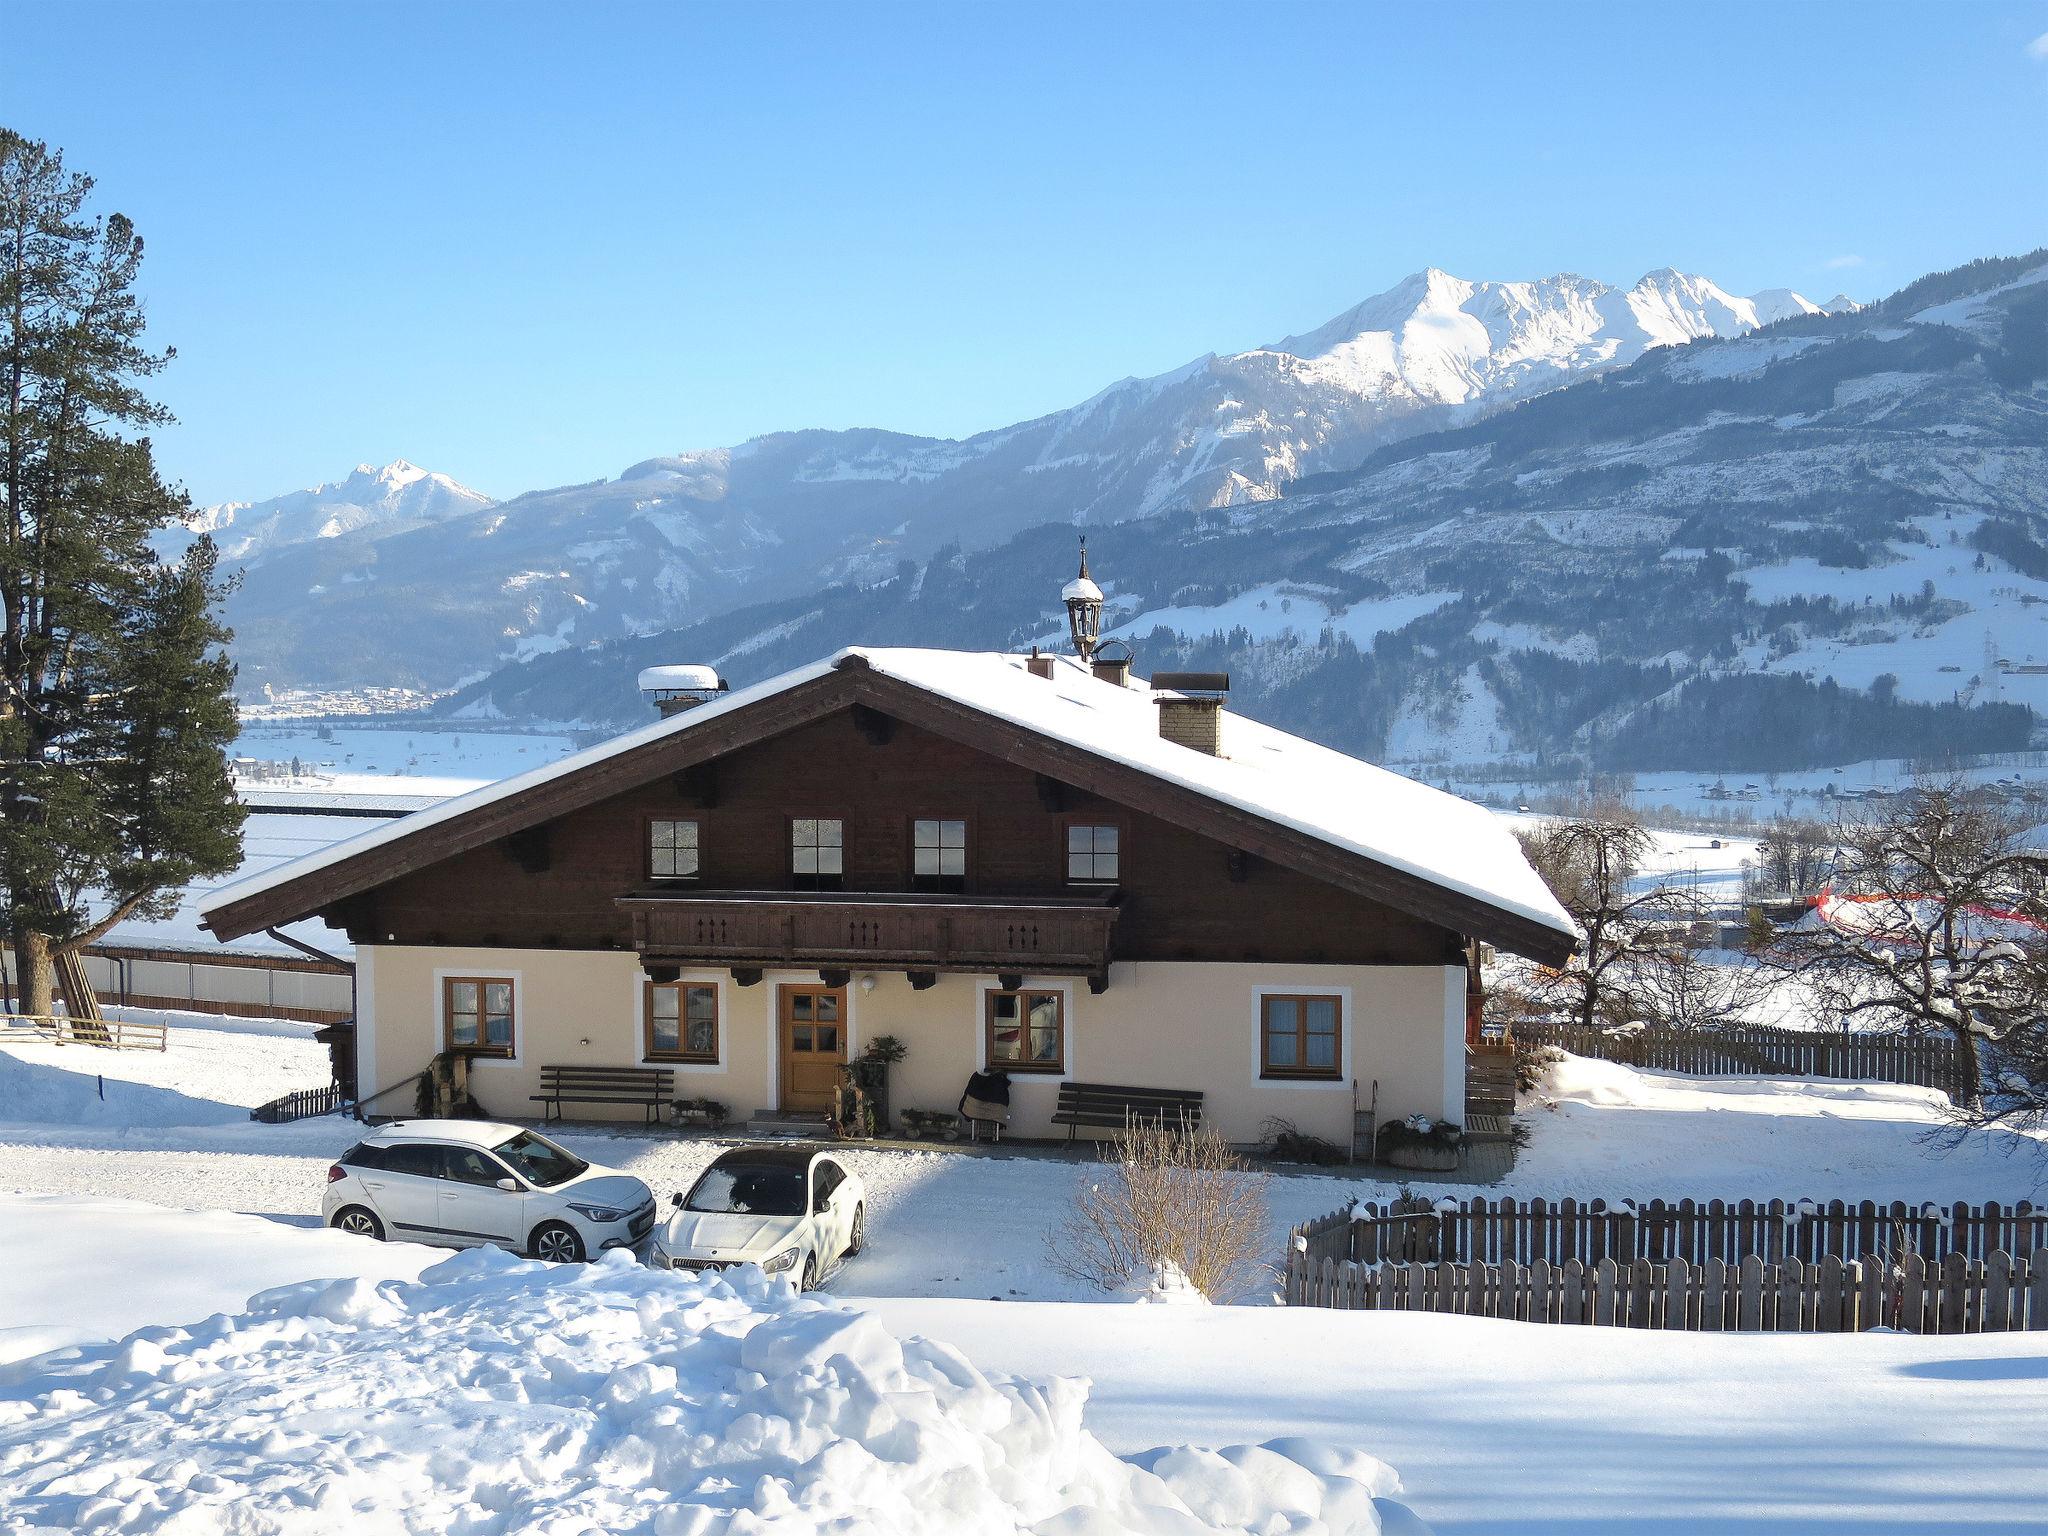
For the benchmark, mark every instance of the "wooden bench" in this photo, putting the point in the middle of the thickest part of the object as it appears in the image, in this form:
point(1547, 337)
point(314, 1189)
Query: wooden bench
point(1114, 1105)
point(649, 1086)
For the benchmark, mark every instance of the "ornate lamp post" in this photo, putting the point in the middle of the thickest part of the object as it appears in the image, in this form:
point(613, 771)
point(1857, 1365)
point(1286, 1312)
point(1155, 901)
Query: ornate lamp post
point(1084, 609)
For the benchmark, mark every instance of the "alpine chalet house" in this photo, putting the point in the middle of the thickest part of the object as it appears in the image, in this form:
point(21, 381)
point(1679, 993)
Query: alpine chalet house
point(1037, 863)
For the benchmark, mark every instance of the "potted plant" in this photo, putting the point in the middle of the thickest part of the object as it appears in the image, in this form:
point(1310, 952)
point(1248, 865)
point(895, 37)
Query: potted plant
point(708, 1113)
point(1420, 1142)
point(869, 1074)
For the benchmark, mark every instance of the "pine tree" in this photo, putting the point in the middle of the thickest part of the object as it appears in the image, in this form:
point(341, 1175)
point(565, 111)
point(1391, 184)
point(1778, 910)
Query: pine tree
point(115, 703)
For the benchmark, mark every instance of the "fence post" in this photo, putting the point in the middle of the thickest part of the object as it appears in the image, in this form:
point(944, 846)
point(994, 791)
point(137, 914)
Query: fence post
point(1604, 1288)
point(1996, 1313)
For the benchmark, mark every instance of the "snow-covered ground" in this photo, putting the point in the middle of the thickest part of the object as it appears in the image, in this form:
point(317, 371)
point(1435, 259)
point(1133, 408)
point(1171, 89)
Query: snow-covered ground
point(468, 1389)
point(1760, 798)
point(1495, 1427)
point(1597, 1129)
point(494, 1394)
point(416, 759)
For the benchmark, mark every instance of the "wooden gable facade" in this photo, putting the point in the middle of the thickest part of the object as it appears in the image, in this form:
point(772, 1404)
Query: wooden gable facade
point(564, 864)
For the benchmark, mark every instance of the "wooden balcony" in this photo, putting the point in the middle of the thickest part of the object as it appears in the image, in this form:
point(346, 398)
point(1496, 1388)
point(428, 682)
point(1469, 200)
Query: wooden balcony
point(875, 930)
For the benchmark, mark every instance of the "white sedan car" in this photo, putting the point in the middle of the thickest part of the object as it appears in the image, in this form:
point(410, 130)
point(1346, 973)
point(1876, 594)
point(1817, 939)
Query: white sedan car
point(791, 1210)
point(461, 1183)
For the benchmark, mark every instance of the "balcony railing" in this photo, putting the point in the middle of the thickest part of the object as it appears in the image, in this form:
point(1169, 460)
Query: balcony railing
point(1035, 935)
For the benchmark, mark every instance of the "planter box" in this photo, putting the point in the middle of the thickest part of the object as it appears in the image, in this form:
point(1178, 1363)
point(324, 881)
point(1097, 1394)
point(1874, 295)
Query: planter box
point(1421, 1157)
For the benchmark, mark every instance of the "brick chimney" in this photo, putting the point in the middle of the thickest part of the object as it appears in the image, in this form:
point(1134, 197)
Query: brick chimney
point(1191, 708)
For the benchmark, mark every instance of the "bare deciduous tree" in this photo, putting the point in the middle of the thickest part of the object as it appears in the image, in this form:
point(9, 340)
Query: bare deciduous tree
point(1644, 957)
point(1172, 1194)
point(1934, 927)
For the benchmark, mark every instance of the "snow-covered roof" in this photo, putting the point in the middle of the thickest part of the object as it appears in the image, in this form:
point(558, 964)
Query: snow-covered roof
point(1351, 805)
point(473, 1133)
point(1327, 794)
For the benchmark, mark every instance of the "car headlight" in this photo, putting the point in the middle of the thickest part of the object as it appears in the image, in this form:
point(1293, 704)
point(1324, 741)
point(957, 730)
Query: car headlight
point(783, 1260)
point(596, 1212)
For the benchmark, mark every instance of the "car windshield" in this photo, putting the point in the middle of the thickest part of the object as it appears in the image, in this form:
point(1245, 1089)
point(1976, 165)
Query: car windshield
point(541, 1160)
point(749, 1189)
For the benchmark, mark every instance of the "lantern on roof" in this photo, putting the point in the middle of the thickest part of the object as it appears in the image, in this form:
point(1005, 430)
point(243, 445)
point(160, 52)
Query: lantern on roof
point(1084, 608)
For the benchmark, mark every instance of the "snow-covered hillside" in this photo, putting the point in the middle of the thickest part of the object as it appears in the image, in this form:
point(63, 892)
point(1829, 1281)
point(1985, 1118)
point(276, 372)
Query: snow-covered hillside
point(369, 501)
point(679, 537)
point(1666, 565)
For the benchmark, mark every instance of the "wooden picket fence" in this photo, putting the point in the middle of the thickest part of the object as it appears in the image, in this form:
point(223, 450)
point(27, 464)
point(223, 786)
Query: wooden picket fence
point(1998, 1293)
point(1758, 1050)
point(1481, 1231)
point(304, 1104)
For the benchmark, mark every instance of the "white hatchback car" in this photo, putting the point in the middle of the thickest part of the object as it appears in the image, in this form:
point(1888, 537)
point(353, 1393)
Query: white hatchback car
point(461, 1183)
point(791, 1210)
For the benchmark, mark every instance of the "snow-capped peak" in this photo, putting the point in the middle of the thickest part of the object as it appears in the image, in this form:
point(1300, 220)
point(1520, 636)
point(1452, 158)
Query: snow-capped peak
point(1774, 304)
point(395, 495)
point(1437, 338)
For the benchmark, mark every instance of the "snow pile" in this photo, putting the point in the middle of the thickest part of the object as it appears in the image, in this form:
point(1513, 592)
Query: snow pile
point(1166, 1285)
point(497, 1394)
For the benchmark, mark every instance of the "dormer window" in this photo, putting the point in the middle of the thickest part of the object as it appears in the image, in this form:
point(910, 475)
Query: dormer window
point(938, 855)
point(816, 853)
point(672, 849)
point(1093, 854)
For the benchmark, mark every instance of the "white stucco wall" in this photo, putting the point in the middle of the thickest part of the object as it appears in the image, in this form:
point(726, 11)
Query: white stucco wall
point(1159, 1025)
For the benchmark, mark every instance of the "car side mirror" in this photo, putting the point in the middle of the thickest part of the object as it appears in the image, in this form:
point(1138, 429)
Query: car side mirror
point(509, 1184)
point(676, 1199)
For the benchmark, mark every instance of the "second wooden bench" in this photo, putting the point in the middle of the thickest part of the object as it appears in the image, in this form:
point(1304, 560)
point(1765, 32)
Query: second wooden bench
point(1113, 1105)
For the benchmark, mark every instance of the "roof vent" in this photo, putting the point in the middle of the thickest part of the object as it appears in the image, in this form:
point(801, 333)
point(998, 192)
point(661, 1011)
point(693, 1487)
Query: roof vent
point(1191, 708)
point(1112, 662)
point(675, 689)
point(1037, 665)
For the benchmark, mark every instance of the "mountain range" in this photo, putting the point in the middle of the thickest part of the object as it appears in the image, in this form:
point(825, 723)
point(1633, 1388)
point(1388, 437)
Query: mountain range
point(1813, 540)
point(398, 576)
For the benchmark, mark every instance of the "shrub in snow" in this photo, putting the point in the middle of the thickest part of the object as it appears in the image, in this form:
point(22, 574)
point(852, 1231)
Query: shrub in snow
point(497, 1395)
point(1173, 1195)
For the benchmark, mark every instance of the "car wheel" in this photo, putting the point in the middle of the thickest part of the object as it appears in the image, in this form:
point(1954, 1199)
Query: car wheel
point(858, 1238)
point(557, 1243)
point(810, 1281)
point(354, 1219)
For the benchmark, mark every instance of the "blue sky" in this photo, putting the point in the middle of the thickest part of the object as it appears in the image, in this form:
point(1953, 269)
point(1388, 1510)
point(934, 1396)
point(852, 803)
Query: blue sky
point(531, 245)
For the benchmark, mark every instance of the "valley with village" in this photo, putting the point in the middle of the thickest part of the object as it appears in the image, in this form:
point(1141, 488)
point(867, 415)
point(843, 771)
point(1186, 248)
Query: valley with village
point(1439, 925)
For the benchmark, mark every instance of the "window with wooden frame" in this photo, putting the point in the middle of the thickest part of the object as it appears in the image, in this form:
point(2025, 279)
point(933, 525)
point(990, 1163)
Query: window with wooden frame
point(671, 849)
point(1093, 853)
point(1300, 1036)
point(682, 1021)
point(817, 853)
point(477, 1015)
point(938, 855)
point(1027, 1032)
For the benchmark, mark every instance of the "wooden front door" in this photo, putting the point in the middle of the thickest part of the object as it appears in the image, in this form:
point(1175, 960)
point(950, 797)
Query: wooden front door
point(813, 1034)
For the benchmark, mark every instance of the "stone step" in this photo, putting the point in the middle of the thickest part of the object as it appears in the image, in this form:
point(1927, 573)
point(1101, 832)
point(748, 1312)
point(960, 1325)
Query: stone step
point(780, 1122)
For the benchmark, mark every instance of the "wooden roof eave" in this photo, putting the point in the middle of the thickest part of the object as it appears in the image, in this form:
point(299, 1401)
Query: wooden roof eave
point(406, 854)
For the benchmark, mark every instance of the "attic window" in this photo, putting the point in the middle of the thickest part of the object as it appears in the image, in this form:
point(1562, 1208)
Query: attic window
point(938, 855)
point(672, 849)
point(1093, 854)
point(817, 853)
